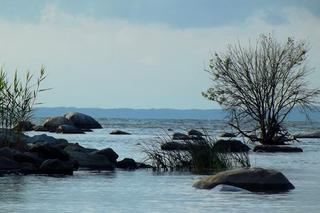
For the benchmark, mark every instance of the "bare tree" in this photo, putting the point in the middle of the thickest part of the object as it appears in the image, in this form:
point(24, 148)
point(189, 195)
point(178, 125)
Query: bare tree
point(260, 84)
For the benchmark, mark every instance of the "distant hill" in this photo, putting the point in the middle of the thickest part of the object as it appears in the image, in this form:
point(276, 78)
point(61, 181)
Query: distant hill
point(216, 114)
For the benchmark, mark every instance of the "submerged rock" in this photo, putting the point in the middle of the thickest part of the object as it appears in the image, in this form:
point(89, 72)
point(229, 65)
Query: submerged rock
point(275, 148)
point(230, 146)
point(119, 132)
point(252, 179)
point(195, 133)
point(55, 166)
point(82, 121)
point(68, 129)
point(128, 164)
point(228, 135)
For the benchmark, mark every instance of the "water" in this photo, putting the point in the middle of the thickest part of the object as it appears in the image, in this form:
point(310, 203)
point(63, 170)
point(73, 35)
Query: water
point(147, 191)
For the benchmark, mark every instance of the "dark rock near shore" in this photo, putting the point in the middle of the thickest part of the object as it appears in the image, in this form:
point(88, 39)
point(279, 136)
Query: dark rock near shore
point(48, 151)
point(128, 164)
point(275, 148)
point(56, 166)
point(75, 147)
point(172, 146)
point(54, 122)
point(82, 121)
point(24, 126)
point(109, 153)
point(252, 179)
point(119, 132)
point(46, 139)
point(69, 129)
point(8, 165)
point(180, 136)
point(230, 146)
point(228, 135)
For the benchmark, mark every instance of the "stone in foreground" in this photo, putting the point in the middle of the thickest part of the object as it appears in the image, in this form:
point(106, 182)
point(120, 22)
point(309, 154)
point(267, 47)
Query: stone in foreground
point(275, 148)
point(252, 179)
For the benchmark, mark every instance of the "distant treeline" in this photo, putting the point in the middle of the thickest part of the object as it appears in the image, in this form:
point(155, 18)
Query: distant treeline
point(211, 114)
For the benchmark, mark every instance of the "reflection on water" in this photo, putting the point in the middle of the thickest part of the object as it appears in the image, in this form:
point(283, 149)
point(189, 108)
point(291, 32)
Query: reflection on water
point(147, 191)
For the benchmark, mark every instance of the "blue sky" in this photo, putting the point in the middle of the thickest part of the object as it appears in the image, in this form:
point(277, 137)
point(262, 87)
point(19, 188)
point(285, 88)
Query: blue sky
point(140, 53)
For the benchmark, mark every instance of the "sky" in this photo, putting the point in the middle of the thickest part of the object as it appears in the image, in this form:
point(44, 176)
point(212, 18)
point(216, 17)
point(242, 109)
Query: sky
point(141, 53)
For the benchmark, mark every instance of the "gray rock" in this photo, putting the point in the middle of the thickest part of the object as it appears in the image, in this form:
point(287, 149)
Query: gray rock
point(48, 151)
point(7, 165)
point(82, 121)
point(75, 147)
point(275, 148)
point(46, 139)
point(55, 166)
point(119, 132)
point(230, 146)
point(252, 179)
point(69, 129)
point(54, 122)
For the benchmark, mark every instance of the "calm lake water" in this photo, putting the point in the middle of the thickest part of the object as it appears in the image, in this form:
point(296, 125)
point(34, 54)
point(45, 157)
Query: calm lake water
point(148, 191)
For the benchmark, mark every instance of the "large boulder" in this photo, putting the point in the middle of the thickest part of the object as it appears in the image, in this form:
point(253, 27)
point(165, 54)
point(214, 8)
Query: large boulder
point(315, 134)
point(92, 160)
point(119, 132)
point(54, 122)
point(230, 146)
point(128, 164)
point(55, 166)
point(82, 121)
point(69, 129)
point(109, 153)
point(48, 151)
point(7, 165)
point(275, 148)
point(252, 179)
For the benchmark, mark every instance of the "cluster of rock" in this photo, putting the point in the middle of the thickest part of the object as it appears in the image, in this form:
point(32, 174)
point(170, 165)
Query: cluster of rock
point(70, 123)
point(44, 154)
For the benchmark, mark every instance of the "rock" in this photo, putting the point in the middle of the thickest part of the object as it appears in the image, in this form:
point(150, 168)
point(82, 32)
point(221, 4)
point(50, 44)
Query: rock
point(75, 147)
point(7, 165)
point(172, 146)
point(144, 166)
point(40, 128)
point(228, 135)
point(275, 148)
point(195, 133)
point(230, 146)
point(180, 136)
point(24, 126)
point(252, 179)
point(13, 140)
point(92, 160)
point(127, 163)
point(54, 122)
point(46, 139)
point(315, 134)
point(68, 129)
point(20, 157)
point(119, 132)
point(55, 166)
point(109, 153)
point(48, 151)
point(82, 121)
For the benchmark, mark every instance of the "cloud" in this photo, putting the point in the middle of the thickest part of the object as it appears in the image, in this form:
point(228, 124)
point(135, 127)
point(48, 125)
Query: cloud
point(116, 63)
